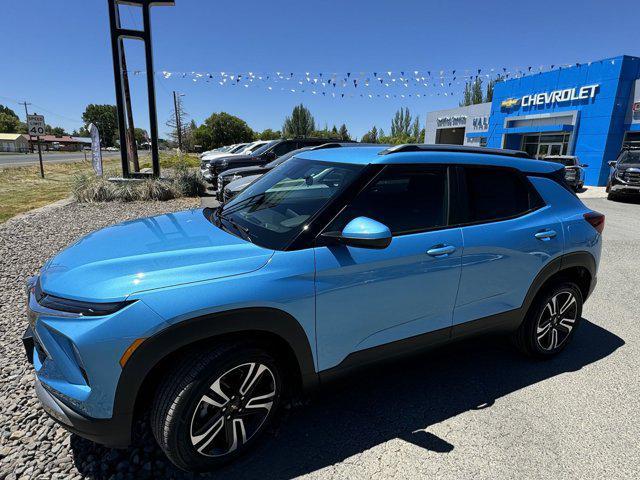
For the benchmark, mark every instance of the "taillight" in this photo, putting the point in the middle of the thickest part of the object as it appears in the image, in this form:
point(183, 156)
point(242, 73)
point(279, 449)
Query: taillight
point(596, 220)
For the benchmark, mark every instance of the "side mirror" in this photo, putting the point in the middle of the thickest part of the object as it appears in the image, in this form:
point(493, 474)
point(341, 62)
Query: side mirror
point(363, 232)
point(612, 163)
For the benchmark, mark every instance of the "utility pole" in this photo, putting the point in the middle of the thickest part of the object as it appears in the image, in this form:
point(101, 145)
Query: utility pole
point(26, 114)
point(131, 131)
point(176, 103)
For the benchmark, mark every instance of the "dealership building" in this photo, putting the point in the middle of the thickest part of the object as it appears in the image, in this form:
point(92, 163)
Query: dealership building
point(588, 110)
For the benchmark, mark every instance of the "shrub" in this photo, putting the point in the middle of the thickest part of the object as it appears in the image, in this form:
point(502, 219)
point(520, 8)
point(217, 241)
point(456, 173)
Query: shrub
point(89, 188)
point(188, 181)
point(184, 181)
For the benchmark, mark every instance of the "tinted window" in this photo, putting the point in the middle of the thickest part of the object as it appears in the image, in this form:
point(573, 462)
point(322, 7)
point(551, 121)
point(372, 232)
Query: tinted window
point(406, 199)
point(284, 147)
point(495, 194)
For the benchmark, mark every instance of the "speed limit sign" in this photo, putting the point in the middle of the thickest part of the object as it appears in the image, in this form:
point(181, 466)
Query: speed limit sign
point(35, 125)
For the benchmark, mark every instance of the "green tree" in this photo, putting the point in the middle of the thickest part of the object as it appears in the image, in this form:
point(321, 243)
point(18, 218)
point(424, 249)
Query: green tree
point(81, 132)
point(401, 123)
point(371, 136)
point(57, 131)
point(300, 124)
point(476, 91)
point(489, 95)
point(268, 134)
point(105, 118)
point(466, 96)
point(9, 123)
point(222, 129)
point(141, 136)
point(343, 133)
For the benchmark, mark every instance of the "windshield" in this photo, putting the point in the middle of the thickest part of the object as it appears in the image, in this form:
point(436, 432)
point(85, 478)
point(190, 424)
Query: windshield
point(265, 147)
point(238, 148)
point(253, 148)
point(273, 210)
point(630, 156)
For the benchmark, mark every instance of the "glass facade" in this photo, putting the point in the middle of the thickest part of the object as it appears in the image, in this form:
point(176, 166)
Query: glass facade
point(541, 145)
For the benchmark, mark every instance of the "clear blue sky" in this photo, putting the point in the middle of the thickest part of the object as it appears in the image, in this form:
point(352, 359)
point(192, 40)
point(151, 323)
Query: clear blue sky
point(56, 54)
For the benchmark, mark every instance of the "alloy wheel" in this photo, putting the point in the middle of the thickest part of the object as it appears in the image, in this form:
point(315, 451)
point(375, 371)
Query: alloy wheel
point(556, 321)
point(233, 409)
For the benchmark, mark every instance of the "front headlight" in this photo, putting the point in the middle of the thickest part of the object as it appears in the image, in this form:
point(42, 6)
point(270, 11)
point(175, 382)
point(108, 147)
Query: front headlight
point(224, 163)
point(66, 305)
point(620, 175)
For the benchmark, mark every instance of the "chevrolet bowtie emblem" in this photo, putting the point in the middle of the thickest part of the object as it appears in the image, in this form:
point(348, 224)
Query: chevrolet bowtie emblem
point(510, 102)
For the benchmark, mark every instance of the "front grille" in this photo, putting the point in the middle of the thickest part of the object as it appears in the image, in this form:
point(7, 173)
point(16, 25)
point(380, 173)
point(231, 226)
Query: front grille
point(632, 177)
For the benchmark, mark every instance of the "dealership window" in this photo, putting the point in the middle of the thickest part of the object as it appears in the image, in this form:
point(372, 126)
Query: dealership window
point(541, 145)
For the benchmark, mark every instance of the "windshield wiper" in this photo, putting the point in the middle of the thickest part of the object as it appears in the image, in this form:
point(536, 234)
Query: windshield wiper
point(219, 222)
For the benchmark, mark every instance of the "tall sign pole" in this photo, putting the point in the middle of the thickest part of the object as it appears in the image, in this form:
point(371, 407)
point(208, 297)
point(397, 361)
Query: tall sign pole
point(117, 34)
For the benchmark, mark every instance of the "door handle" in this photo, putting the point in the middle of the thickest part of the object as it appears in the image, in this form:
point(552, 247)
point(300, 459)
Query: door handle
point(439, 251)
point(545, 235)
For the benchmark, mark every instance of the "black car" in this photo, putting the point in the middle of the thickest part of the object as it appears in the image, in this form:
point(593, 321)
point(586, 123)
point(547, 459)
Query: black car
point(624, 178)
point(261, 156)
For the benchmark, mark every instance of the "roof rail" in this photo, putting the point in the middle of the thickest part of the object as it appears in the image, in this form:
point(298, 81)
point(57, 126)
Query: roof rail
point(421, 147)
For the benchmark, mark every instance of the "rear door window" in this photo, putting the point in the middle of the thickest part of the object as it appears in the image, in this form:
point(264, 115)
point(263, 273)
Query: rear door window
point(494, 193)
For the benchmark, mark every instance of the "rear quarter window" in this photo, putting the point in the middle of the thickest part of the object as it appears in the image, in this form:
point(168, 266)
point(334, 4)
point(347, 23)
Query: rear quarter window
point(493, 193)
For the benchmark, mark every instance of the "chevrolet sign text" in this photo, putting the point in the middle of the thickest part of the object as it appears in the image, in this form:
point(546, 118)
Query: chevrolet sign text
point(560, 96)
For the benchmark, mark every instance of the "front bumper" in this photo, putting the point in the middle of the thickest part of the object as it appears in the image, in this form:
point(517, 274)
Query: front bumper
point(113, 432)
point(625, 188)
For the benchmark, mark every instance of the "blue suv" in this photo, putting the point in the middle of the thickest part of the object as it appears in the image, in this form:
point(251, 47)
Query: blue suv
point(335, 259)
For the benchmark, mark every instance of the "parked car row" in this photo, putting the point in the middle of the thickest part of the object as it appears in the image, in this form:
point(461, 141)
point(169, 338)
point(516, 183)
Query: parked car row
point(233, 181)
point(211, 165)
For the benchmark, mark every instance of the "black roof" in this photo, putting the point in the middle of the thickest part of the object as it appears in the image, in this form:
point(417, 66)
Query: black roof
point(413, 147)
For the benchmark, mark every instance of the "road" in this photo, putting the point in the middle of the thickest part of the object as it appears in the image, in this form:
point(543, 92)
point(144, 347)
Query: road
point(17, 159)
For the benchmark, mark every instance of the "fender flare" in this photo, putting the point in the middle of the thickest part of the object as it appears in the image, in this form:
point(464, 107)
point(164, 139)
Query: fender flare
point(157, 347)
point(569, 260)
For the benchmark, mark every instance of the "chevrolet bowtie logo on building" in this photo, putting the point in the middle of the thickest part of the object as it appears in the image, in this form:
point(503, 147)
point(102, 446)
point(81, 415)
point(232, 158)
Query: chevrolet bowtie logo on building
point(510, 102)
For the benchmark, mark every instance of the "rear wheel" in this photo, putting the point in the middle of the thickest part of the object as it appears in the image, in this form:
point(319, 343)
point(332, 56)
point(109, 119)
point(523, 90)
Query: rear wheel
point(551, 321)
point(213, 406)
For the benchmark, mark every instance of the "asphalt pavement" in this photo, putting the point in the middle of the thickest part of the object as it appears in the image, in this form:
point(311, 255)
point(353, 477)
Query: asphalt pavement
point(18, 159)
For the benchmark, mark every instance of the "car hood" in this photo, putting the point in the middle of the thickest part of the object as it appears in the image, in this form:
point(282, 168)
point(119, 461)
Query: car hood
point(244, 171)
point(241, 183)
point(176, 248)
point(213, 156)
point(231, 158)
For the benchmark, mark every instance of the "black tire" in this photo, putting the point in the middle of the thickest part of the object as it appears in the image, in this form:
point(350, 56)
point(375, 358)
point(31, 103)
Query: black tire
point(535, 337)
point(612, 196)
point(194, 433)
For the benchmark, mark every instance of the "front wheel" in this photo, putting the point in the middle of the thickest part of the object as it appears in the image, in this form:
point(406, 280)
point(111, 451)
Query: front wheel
point(213, 406)
point(551, 321)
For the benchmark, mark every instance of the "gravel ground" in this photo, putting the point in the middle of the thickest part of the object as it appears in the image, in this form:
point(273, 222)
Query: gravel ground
point(477, 410)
